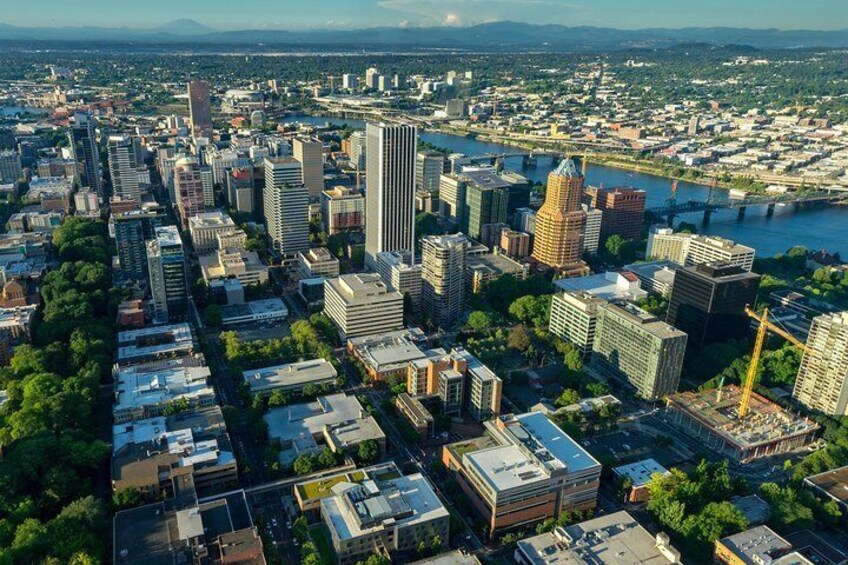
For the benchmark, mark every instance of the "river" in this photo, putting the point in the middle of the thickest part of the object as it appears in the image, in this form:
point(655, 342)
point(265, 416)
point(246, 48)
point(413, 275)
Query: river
point(815, 228)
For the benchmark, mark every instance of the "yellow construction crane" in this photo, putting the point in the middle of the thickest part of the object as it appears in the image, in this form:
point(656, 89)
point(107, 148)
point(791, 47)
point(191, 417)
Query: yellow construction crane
point(764, 327)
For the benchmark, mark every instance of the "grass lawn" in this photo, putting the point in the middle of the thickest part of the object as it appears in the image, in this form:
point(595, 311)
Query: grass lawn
point(321, 539)
point(321, 488)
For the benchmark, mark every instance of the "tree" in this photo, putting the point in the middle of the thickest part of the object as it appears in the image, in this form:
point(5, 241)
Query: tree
point(304, 464)
point(479, 321)
point(567, 398)
point(326, 459)
point(212, 315)
point(376, 559)
point(436, 543)
point(519, 338)
point(618, 248)
point(595, 388)
point(368, 452)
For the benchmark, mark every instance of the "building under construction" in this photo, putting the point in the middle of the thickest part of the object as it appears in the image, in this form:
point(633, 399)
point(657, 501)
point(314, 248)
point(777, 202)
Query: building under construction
point(713, 417)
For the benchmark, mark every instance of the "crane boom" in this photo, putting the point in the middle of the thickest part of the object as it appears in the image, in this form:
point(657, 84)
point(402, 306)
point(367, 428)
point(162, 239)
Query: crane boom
point(751, 378)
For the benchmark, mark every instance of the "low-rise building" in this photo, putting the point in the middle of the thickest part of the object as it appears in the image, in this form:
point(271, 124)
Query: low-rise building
point(531, 471)
point(337, 421)
point(255, 311)
point(147, 454)
point(317, 262)
point(388, 355)
point(515, 244)
point(480, 270)
point(154, 343)
point(292, 377)
point(416, 414)
point(755, 546)
point(609, 286)
point(832, 484)
point(613, 539)
point(311, 492)
point(217, 532)
point(233, 263)
point(639, 474)
point(361, 305)
point(390, 517)
point(151, 389)
point(655, 276)
point(205, 227)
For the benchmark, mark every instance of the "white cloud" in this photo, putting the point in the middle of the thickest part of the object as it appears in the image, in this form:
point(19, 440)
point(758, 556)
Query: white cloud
point(466, 12)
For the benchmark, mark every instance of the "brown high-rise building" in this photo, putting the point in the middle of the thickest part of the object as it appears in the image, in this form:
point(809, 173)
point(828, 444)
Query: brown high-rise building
point(200, 108)
point(623, 210)
point(558, 240)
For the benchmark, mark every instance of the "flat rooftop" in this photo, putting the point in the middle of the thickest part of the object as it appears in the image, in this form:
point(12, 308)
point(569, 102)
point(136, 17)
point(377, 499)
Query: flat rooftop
point(410, 500)
point(321, 488)
point(254, 308)
point(216, 219)
point(455, 557)
point(643, 319)
point(614, 539)
point(137, 388)
point(641, 472)
point(292, 375)
point(155, 341)
point(756, 545)
point(766, 421)
point(362, 289)
point(556, 442)
point(608, 286)
point(833, 483)
point(498, 263)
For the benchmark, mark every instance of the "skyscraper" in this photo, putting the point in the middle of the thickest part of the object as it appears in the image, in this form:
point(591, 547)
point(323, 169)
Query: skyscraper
point(122, 167)
point(486, 198)
point(708, 302)
point(443, 277)
point(84, 148)
point(188, 188)
point(286, 206)
point(390, 190)
point(559, 223)
point(623, 210)
point(132, 229)
point(310, 154)
point(822, 382)
point(428, 168)
point(166, 265)
point(200, 108)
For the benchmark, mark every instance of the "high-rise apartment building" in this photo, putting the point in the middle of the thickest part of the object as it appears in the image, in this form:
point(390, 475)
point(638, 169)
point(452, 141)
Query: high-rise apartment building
point(526, 469)
point(342, 210)
point(132, 230)
point(168, 284)
point(188, 189)
point(708, 302)
point(574, 316)
point(200, 108)
point(690, 249)
point(623, 210)
point(390, 194)
point(637, 348)
point(361, 305)
point(558, 239)
point(10, 166)
point(286, 206)
point(357, 151)
point(372, 78)
point(400, 274)
point(428, 168)
point(310, 154)
point(84, 148)
point(443, 277)
point(123, 167)
point(240, 190)
point(822, 382)
point(592, 229)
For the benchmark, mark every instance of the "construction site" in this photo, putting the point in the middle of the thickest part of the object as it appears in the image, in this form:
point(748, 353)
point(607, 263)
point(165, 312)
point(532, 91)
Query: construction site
point(714, 417)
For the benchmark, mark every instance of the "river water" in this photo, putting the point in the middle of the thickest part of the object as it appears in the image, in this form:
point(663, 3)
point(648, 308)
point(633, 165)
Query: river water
point(815, 228)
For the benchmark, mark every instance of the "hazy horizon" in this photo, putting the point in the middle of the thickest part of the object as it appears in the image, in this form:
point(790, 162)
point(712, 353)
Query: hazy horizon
point(218, 15)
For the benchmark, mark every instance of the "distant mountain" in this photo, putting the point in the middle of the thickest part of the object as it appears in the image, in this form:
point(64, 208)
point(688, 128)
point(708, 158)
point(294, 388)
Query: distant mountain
point(496, 36)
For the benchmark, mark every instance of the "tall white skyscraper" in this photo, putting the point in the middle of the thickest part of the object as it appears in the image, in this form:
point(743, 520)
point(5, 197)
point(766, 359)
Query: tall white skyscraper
point(286, 203)
point(123, 167)
point(389, 189)
point(822, 382)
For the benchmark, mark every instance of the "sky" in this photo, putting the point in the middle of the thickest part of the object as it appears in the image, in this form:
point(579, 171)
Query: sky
point(357, 14)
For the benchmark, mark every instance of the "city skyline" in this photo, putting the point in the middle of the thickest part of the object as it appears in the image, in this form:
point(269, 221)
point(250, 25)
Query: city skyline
point(279, 14)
